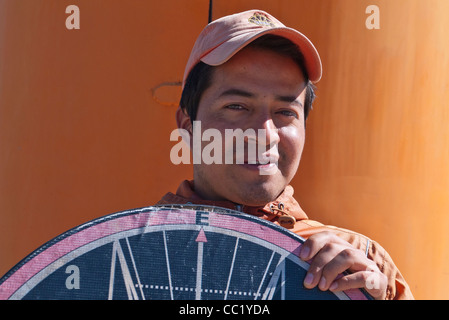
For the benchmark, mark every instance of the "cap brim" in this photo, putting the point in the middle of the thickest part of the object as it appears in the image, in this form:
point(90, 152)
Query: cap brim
point(228, 49)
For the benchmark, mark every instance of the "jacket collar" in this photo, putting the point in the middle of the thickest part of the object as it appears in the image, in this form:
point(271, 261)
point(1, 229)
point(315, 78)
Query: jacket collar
point(186, 194)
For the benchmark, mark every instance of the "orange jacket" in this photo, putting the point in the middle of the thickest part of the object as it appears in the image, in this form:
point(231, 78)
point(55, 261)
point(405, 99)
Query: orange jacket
point(284, 206)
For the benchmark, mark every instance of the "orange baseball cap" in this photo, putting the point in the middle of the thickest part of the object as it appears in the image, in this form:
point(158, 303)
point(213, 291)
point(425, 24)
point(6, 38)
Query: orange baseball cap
point(224, 37)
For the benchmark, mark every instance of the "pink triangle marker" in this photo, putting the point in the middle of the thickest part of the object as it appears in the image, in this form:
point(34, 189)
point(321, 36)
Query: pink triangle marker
point(201, 236)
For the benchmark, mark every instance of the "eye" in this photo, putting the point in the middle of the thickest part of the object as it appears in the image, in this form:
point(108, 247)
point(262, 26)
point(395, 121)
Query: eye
point(235, 107)
point(288, 113)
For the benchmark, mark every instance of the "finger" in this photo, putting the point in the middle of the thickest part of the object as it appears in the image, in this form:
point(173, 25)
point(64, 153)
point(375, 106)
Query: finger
point(347, 259)
point(319, 262)
point(316, 242)
point(375, 283)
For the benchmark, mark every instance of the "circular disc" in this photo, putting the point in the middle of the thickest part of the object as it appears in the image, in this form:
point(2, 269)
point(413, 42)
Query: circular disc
point(173, 252)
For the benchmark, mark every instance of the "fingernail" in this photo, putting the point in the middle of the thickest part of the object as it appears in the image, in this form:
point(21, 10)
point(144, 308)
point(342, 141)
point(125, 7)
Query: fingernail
point(304, 252)
point(308, 279)
point(322, 283)
point(333, 286)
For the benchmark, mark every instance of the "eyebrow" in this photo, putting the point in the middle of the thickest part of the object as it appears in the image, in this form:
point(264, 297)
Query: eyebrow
point(247, 94)
point(237, 92)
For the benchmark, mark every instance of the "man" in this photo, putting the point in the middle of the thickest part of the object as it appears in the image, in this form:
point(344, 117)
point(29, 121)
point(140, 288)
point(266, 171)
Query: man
point(249, 71)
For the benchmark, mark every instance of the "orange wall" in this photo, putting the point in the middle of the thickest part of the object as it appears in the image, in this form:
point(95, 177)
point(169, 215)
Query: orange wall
point(83, 133)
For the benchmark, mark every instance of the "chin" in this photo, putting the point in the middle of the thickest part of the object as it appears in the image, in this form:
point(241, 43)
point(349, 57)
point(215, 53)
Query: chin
point(259, 195)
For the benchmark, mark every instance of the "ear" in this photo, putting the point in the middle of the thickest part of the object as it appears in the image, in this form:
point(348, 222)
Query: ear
point(185, 125)
point(183, 120)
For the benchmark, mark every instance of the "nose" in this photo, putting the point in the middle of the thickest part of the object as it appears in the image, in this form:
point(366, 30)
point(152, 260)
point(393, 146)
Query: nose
point(267, 137)
point(267, 133)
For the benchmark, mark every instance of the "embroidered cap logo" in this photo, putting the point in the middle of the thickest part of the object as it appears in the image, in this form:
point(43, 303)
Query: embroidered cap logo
point(261, 20)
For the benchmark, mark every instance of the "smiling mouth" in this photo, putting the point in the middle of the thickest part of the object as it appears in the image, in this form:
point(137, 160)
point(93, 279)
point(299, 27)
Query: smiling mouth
point(263, 168)
point(259, 163)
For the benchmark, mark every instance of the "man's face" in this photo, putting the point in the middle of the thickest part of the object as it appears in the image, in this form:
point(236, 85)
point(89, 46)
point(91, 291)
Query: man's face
point(257, 89)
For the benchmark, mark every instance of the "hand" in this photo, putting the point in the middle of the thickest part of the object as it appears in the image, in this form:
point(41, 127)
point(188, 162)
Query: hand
point(330, 256)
